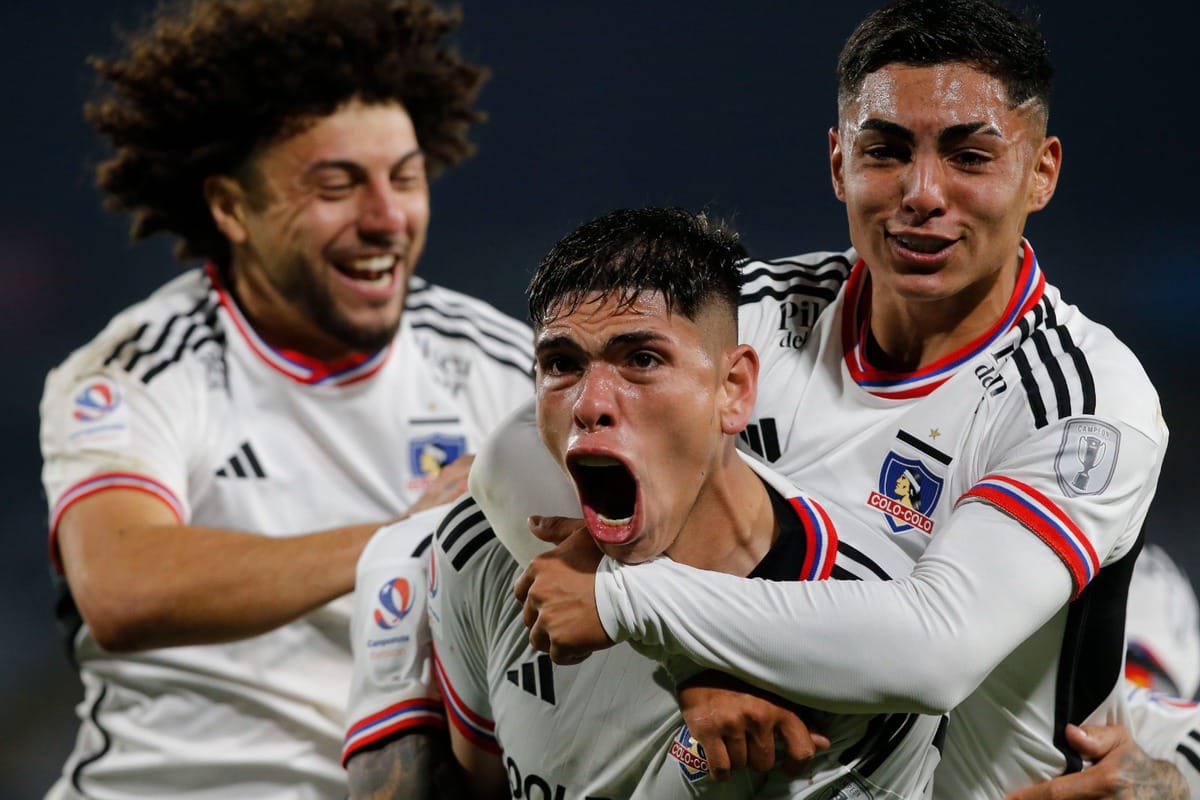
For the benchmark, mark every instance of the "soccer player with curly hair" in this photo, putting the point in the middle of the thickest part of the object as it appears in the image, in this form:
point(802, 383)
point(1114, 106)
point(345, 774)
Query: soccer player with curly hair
point(218, 456)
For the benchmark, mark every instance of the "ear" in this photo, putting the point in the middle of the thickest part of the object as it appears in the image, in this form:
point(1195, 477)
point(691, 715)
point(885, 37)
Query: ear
point(835, 164)
point(1045, 173)
point(227, 203)
point(741, 388)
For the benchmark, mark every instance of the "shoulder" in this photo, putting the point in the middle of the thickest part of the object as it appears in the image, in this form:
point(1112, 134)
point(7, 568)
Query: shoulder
point(450, 319)
point(464, 540)
point(170, 345)
point(177, 324)
point(817, 276)
point(1064, 364)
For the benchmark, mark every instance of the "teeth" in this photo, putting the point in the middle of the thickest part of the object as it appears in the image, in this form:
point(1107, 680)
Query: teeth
point(374, 264)
point(598, 461)
point(614, 523)
point(381, 280)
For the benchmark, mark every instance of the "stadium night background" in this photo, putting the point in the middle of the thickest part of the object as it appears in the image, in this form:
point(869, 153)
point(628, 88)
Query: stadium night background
point(597, 105)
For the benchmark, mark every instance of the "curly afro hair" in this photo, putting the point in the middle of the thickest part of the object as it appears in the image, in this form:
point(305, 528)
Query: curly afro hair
point(209, 82)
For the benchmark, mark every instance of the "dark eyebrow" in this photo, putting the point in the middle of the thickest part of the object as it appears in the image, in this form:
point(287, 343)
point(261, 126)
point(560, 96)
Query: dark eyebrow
point(958, 132)
point(888, 129)
point(953, 133)
point(354, 168)
point(629, 339)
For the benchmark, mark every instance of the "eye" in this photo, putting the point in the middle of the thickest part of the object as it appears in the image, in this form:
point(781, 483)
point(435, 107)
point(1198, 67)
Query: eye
point(644, 359)
point(409, 179)
point(555, 364)
point(971, 159)
point(333, 183)
point(886, 152)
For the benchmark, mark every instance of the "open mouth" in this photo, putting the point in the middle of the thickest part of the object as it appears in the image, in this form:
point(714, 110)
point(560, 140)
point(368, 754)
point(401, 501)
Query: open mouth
point(374, 272)
point(925, 245)
point(608, 493)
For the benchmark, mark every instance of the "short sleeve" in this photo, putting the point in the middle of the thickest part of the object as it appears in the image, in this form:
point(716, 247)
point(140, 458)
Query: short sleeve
point(392, 690)
point(104, 425)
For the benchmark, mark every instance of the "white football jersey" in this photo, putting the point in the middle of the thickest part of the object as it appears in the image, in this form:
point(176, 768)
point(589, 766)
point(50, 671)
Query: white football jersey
point(179, 398)
point(1163, 626)
point(1168, 728)
point(1018, 469)
point(611, 727)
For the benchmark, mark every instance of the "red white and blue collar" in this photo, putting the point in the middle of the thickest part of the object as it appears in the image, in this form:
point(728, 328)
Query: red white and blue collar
point(294, 364)
point(856, 316)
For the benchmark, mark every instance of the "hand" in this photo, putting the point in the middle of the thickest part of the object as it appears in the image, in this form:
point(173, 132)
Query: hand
point(558, 590)
point(1121, 771)
point(450, 484)
point(738, 725)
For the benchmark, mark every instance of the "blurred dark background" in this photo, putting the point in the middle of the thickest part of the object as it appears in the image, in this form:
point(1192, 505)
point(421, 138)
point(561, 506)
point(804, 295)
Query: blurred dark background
point(595, 105)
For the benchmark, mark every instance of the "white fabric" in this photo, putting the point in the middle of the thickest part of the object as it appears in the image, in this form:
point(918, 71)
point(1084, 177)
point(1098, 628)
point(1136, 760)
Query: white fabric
point(392, 688)
point(179, 398)
point(1164, 619)
point(1168, 728)
point(608, 726)
point(1043, 440)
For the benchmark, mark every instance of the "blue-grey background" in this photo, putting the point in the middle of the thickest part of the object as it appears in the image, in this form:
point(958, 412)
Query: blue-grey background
point(594, 105)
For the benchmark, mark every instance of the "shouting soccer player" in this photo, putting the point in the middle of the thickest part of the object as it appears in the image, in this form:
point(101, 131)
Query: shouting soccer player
point(933, 353)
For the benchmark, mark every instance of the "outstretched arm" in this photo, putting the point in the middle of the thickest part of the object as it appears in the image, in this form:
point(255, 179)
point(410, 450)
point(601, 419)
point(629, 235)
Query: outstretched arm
point(815, 642)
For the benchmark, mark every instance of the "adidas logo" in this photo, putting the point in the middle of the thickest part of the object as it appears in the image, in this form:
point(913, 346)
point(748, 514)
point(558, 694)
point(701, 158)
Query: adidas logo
point(535, 677)
point(242, 464)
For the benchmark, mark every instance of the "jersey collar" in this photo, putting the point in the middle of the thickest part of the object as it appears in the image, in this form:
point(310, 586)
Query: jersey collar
point(294, 364)
point(856, 315)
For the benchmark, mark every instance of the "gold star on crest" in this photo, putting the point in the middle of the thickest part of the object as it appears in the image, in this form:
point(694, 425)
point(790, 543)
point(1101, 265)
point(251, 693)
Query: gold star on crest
point(934, 433)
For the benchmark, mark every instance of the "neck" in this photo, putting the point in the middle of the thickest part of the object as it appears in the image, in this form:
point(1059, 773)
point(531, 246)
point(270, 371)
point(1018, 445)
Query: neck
point(732, 525)
point(906, 334)
point(278, 321)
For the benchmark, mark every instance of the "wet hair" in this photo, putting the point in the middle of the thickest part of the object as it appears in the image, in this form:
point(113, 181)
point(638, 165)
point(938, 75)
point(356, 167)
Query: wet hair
point(689, 258)
point(208, 83)
point(979, 33)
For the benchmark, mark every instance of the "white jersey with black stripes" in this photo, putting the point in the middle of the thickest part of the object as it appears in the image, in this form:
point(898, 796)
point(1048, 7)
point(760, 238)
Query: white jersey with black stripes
point(180, 398)
point(611, 727)
point(1018, 470)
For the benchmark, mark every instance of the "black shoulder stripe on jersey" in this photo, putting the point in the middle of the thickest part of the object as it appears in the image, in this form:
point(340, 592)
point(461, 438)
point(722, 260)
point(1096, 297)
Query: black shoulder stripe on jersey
point(859, 557)
point(125, 343)
point(524, 369)
point(422, 546)
point(207, 323)
point(105, 744)
point(448, 530)
point(818, 292)
point(1041, 331)
point(1086, 382)
point(1058, 381)
point(471, 546)
point(842, 269)
point(165, 333)
point(494, 330)
point(1032, 393)
point(1188, 752)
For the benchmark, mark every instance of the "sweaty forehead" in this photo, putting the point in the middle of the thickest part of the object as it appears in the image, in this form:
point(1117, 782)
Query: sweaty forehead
point(943, 94)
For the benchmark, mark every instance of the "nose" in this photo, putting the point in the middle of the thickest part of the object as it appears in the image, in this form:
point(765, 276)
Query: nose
point(924, 193)
point(595, 402)
point(383, 212)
